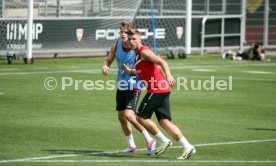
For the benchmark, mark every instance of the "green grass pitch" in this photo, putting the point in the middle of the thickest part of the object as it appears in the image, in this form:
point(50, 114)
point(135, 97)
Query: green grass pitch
point(80, 126)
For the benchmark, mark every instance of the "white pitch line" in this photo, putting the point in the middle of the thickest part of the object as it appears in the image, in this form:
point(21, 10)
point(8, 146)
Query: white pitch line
point(230, 143)
point(99, 70)
point(114, 72)
point(204, 70)
point(152, 161)
point(116, 151)
point(214, 66)
point(62, 156)
point(258, 72)
point(226, 78)
point(53, 72)
point(6, 69)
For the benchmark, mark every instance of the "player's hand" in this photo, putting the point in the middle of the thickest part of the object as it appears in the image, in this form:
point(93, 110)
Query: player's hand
point(171, 80)
point(105, 69)
point(126, 68)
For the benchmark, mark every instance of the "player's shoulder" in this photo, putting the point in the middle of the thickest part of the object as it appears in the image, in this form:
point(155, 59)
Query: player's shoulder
point(144, 47)
point(145, 50)
point(114, 46)
point(117, 43)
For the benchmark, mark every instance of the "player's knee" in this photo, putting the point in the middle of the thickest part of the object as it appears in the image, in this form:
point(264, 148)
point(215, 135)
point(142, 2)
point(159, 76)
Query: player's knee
point(129, 115)
point(139, 119)
point(121, 116)
point(164, 123)
point(131, 118)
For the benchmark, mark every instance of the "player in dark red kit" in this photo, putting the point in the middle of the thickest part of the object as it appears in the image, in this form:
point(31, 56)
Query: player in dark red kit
point(157, 97)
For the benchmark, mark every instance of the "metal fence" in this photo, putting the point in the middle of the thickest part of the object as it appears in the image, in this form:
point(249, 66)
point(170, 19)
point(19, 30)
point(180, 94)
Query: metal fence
point(229, 24)
point(261, 22)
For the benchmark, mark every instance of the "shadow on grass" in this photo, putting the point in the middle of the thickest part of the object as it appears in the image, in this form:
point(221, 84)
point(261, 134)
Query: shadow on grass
point(263, 129)
point(63, 151)
point(113, 154)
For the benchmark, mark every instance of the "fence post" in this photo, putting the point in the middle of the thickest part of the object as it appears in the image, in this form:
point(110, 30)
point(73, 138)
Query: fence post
point(57, 8)
point(266, 23)
point(188, 29)
point(243, 25)
point(1, 9)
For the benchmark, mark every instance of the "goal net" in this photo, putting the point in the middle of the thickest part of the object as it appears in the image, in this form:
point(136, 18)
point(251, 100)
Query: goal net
point(92, 25)
point(13, 23)
point(63, 25)
point(87, 25)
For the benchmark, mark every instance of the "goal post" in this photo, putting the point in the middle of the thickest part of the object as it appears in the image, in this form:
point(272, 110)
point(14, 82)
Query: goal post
point(29, 32)
point(13, 30)
point(188, 32)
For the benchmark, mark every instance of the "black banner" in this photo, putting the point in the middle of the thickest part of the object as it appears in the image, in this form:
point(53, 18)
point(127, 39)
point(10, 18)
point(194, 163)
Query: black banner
point(92, 34)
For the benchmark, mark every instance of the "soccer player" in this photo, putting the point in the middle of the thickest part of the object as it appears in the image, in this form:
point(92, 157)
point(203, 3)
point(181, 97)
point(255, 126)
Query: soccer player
point(128, 92)
point(157, 97)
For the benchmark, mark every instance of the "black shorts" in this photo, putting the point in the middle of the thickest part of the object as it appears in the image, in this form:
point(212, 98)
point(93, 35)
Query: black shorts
point(155, 102)
point(127, 100)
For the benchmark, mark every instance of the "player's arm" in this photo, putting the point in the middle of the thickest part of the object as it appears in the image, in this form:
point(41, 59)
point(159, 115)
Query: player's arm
point(148, 55)
point(129, 70)
point(261, 54)
point(108, 60)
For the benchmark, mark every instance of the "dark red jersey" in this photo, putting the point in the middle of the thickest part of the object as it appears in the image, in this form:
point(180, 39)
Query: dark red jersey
point(151, 74)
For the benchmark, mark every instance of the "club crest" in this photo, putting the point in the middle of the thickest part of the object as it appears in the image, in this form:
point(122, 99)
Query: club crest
point(179, 32)
point(79, 33)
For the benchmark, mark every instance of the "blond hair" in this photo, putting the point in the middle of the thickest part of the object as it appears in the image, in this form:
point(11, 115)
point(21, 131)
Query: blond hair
point(126, 24)
point(133, 31)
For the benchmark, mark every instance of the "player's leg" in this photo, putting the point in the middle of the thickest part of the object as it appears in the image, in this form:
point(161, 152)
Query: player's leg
point(144, 114)
point(149, 125)
point(262, 57)
point(130, 115)
point(171, 129)
point(121, 100)
point(126, 127)
point(175, 133)
point(154, 130)
point(164, 118)
point(130, 112)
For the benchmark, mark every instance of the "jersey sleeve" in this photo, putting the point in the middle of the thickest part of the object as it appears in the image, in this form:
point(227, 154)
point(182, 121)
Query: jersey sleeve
point(144, 48)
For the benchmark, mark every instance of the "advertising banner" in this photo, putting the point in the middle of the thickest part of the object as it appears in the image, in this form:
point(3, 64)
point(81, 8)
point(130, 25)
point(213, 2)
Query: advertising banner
point(90, 34)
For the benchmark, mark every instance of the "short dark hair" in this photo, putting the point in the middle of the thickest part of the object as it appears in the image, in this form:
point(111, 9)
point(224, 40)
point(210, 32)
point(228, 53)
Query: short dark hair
point(257, 45)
